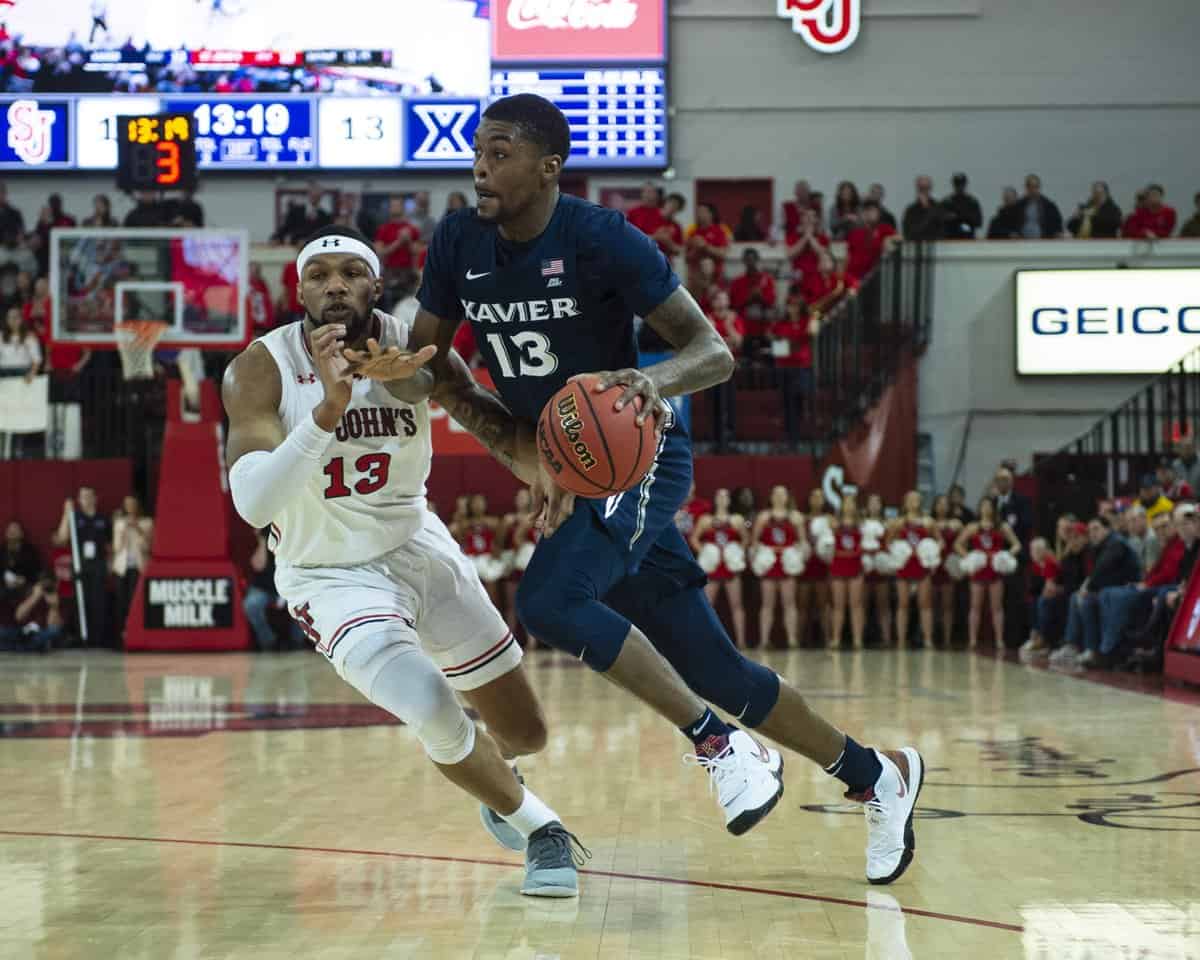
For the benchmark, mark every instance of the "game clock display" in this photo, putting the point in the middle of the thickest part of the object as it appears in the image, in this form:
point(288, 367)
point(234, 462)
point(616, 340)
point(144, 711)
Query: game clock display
point(156, 152)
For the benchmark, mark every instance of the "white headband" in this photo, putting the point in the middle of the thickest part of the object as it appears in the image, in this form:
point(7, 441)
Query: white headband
point(337, 244)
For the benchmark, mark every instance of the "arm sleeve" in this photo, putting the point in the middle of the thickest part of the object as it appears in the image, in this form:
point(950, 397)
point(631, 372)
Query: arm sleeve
point(437, 293)
point(264, 483)
point(644, 277)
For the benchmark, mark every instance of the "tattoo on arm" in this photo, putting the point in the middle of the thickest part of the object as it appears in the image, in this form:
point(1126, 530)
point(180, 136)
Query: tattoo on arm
point(701, 359)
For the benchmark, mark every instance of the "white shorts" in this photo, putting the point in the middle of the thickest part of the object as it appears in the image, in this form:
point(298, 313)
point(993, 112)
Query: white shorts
point(428, 585)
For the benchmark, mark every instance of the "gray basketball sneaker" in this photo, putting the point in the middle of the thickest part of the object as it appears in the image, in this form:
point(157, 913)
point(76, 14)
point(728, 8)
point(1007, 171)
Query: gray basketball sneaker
point(501, 830)
point(552, 862)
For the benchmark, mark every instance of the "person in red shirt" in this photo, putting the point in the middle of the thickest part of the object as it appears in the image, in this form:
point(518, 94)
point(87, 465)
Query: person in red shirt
point(753, 295)
point(669, 235)
point(707, 239)
point(821, 290)
point(258, 303)
point(792, 353)
point(793, 210)
point(288, 306)
point(1153, 220)
point(396, 239)
point(647, 216)
point(728, 323)
point(865, 245)
point(805, 246)
point(1173, 487)
point(707, 284)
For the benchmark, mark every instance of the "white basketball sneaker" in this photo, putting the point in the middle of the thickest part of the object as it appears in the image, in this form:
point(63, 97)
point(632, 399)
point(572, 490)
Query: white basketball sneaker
point(889, 809)
point(747, 777)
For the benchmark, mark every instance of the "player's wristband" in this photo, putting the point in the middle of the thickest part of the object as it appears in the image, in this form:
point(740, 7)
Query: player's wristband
point(264, 483)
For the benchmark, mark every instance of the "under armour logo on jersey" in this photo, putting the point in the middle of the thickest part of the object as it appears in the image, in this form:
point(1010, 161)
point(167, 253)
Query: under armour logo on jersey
point(306, 378)
point(446, 133)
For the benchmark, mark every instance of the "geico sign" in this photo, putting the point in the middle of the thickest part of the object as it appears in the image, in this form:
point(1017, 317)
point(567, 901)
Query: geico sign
point(1105, 321)
point(828, 26)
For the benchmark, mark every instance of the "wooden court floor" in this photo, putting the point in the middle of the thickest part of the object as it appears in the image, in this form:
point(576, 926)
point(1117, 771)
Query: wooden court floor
point(255, 807)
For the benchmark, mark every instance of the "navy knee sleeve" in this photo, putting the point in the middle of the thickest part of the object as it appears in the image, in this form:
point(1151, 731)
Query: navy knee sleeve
point(561, 614)
point(684, 628)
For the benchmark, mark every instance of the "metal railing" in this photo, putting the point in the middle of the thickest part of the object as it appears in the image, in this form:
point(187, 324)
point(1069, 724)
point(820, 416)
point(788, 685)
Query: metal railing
point(1107, 460)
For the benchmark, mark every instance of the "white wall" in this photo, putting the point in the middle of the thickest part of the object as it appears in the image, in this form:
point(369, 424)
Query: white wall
point(969, 371)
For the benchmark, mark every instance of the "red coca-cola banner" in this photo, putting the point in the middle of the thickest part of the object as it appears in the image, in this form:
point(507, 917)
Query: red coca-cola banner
point(578, 30)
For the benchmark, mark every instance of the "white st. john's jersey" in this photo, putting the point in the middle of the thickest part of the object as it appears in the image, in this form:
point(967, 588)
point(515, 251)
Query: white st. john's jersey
point(368, 497)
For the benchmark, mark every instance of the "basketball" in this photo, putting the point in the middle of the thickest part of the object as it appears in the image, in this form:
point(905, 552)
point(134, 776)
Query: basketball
point(589, 448)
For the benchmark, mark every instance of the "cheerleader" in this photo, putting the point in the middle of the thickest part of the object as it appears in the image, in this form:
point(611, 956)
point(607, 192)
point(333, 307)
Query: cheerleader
point(945, 577)
point(719, 542)
point(516, 530)
point(912, 547)
point(844, 548)
point(477, 537)
point(813, 587)
point(982, 546)
point(878, 582)
point(776, 532)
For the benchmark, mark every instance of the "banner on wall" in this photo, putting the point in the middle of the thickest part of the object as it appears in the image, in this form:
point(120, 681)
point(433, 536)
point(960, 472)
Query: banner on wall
point(24, 407)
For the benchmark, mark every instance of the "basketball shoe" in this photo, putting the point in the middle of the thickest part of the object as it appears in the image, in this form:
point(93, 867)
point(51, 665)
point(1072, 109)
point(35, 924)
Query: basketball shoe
point(747, 778)
point(552, 862)
point(503, 832)
point(889, 807)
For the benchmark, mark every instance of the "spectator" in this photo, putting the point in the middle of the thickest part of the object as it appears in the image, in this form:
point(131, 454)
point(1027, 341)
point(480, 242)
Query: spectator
point(421, 217)
point(101, 215)
point(261, 595)
point(147, 212)
point(38, 621)
point(753, 295)
point(1187, 464)
point(924, 218)
point(20, 352)
point(1122, 605)
point(707, 283)
point(1099, 218)
point(15, 255)
point(821, 290)
point(132, 535)
point(20, 564)
point(647, 215)
point(1173, 487)
point(749, 228)
point(258, 302)
point(793, 210)
point(1043, 568)
point(1160, 532)
point(1151, 639)
point(12, 222)
point(669, 235)
point(304, 219)
point(1138, 534)
point(805, 247)
point(1006, 222)
point(93, 533)
point(728, 323)
point(791, 348)
point(963, 215)
point(1114, 566)
point(707, 239)
point(1150, 496)
point(58, 217)
point(395, 242)
point(876, 193)
point(1152, 221)
point(958, 505)
point(846, 213)
point(1039, 215)
point(456, 200)
point(1051, 606)
point(186, 212)
point(288, 305)
point(1192, 227)
point(866, 245)
point(1014, 508)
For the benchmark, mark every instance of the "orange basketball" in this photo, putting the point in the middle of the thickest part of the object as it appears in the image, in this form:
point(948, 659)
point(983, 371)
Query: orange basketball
point(588, 447)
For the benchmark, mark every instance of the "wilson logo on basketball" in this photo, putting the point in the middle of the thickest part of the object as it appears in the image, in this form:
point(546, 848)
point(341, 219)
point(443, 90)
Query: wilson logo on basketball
point(546, 449)
point(572, 426)
point(828, 26)
point(572, 14)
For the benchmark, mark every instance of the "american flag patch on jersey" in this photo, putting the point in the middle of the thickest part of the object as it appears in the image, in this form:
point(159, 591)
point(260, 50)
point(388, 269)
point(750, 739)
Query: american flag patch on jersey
point(552, 268)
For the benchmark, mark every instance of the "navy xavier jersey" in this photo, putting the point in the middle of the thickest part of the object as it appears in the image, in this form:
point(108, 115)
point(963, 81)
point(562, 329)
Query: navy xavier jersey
point(550, 309)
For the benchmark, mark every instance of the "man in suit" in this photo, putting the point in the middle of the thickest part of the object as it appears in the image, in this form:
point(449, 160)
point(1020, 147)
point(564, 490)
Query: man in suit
point(1016, 510)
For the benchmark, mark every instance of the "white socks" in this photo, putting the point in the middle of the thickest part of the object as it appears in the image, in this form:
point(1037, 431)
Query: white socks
point(530, 816)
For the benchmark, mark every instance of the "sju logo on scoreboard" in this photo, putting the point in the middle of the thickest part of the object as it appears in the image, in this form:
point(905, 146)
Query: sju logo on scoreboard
point(441, 131)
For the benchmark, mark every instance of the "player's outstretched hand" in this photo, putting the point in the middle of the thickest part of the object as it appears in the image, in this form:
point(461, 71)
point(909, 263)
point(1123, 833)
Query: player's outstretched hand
point(552, 505)
point(377, 363)
point(327, 345)
point(636, 384)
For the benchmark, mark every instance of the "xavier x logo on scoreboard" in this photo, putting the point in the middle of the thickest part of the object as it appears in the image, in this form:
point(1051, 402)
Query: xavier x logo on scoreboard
point(440, 131)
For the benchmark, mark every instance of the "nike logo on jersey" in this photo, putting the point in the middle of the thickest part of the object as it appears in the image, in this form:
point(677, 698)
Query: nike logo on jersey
point(523, 311)
point(476, 276)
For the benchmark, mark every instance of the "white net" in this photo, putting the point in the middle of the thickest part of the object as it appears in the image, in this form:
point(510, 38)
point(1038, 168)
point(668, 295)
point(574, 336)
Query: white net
point(136, 340)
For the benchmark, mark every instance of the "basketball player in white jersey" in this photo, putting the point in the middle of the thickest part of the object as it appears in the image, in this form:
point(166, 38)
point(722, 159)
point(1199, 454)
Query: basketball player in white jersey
point(336, 466)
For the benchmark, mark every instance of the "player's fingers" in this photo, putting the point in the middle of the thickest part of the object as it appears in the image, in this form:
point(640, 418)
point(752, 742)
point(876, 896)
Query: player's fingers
point(422, 356)
point(373, 347)
point(627, 396)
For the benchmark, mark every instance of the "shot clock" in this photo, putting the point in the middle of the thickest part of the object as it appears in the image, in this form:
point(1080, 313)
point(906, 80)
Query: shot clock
point(156, 152)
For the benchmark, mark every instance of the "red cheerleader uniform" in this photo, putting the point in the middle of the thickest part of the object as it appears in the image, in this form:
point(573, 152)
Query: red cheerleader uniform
point(847, 553)
point(531, 536)
point(816, 570)
point(949, 538)
point(721, 532)
point(990, 542)
point(478, 539)
point(913, 570)
point(779, 535)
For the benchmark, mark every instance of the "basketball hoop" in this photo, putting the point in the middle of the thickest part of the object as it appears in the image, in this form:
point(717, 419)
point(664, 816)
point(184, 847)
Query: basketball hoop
point(136, 340)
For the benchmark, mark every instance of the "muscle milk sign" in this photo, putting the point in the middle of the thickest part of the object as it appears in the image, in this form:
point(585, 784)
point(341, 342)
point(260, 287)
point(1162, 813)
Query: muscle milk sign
point(578, 30)
point(1105, 321)
point(189, 603)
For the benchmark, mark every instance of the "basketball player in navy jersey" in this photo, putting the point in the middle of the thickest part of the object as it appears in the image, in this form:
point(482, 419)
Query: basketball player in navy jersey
point(551, 283)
